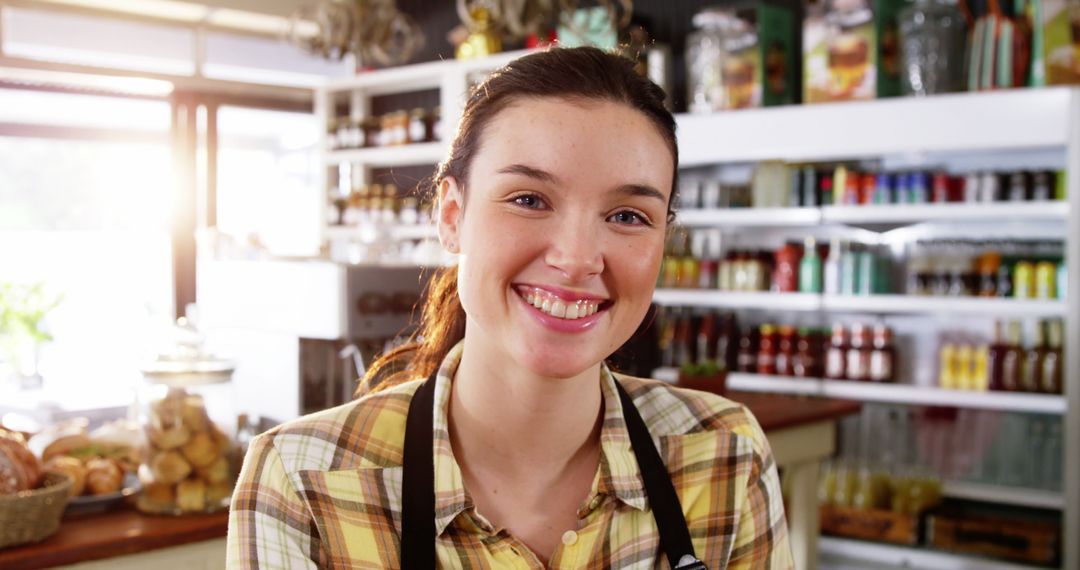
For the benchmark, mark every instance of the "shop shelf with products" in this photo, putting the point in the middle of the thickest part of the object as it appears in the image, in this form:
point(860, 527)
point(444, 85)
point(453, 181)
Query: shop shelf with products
point(961, 133)
point(359, 157)
point(850, 553)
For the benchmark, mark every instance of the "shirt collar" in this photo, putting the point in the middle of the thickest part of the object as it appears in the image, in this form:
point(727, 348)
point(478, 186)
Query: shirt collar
point(618, 475)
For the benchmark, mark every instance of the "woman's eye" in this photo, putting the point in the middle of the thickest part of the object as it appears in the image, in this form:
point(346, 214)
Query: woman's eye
point(629, 217)
point(531, 201)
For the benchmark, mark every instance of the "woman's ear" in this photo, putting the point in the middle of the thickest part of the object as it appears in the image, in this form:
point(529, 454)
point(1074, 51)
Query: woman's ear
point(451, 208)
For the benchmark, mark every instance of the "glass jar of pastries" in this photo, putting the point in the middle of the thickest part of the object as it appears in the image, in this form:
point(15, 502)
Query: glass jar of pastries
point(189, 463)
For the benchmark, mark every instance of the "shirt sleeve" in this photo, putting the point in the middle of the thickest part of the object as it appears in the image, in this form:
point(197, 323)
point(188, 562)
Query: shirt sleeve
point(761, 541)
point(269, 525)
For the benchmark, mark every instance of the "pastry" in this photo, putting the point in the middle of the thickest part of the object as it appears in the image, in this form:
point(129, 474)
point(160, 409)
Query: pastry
point(169, 467)
point(168, 438)
point(201, 450)
point(20, 469)
point(103, 476)
point(193, 414)
point(159, 493)
point(191, 495)
point(218, 495)
point(71, 467)
point(216, 472)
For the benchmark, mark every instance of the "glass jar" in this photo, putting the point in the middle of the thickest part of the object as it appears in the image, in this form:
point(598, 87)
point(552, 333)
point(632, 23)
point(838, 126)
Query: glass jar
point(189, 462)
point(705, 57)
point(933, 43)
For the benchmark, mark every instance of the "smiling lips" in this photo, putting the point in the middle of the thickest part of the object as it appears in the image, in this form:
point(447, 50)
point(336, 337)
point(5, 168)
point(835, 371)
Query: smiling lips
point(557, 306)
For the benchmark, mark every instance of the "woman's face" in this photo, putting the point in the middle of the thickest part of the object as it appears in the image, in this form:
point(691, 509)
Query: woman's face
point(563, 233)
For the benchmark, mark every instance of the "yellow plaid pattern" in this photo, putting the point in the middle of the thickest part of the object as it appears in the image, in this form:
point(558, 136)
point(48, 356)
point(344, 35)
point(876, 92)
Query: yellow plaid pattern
point(324, 491)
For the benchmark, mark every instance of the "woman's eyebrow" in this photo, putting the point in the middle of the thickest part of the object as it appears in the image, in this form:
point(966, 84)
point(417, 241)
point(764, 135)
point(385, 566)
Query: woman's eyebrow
point(641, 190)
point(531, 172)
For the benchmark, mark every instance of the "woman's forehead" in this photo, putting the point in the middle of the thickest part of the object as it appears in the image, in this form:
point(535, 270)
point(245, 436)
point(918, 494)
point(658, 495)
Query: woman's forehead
point(576, 138)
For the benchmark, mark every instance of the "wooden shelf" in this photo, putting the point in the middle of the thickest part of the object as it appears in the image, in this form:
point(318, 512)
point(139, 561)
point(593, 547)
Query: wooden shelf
point(1004, 495)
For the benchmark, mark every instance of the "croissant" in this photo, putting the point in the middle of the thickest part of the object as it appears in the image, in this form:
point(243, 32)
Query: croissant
point(103, 476)
point(20, 469)
point(71, 467)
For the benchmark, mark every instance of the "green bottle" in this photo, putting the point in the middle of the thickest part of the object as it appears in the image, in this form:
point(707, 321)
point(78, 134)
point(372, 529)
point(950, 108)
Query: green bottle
point(810, 268)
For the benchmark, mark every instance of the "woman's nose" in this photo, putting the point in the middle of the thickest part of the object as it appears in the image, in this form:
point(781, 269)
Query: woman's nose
point(575, 250)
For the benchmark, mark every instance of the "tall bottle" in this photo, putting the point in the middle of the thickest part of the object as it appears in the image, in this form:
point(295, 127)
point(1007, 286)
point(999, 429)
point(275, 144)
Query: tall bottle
point(995, 359)
point(836, 353)
point(1031, 375)
point(1053, 363)
point(1012, 361)
point(831, 283)
point(810, 268)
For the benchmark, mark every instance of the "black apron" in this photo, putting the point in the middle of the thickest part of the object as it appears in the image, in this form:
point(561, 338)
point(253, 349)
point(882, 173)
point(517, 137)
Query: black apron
point(418, 486)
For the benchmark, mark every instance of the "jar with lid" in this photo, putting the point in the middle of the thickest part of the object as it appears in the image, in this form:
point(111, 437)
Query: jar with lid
point(418, 126)
point(858, 353)
point(836, 353)
point(705, 56)
point(766, 357)
point(189, 462)
point(933, 39)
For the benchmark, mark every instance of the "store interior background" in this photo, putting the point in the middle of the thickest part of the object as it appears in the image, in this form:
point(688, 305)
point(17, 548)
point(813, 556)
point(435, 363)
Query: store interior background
point(167, 158)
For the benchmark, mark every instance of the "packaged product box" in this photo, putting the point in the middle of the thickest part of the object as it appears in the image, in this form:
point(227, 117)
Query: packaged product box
point(1061, 41)
point(851, 50)
point(760, 67)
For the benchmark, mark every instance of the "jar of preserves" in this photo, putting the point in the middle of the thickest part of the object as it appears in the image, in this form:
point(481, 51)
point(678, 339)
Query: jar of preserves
point(706, 54)
point(189, 462)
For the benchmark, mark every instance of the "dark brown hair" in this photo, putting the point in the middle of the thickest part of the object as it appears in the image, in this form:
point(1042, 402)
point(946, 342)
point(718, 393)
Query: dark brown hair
point(582, 74)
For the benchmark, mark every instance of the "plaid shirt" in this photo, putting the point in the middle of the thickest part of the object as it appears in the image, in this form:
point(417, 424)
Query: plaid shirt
point(325, 490)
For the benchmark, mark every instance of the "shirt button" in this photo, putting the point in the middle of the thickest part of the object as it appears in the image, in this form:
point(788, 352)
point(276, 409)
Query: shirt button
point(569, 538)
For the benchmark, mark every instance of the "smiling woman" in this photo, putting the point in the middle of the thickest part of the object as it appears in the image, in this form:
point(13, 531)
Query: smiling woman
point(499, 438)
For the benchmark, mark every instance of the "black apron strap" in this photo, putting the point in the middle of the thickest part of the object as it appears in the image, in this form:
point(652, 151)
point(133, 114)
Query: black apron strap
point(670, 522)
point(418, 482)
point(418, 486)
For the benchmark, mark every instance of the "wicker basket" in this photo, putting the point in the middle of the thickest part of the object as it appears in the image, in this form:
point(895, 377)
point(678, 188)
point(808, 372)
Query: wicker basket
point(30, 516)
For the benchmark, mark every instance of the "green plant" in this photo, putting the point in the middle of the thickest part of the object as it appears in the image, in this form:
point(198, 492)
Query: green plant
point(23, 309)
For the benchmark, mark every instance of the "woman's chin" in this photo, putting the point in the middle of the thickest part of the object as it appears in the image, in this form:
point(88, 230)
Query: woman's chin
point(550, 363)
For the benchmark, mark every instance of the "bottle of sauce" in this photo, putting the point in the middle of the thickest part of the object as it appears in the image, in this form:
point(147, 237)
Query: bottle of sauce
point(883, 356)
point(831, 282)
point(670, 273)
point(684, 341)
point(786, 275)
point(806, 363)
point(849, 270)
point(725, 281)
point(1052, 362)
point(767, 348)
point(965, 362)
point(1017, 187)
point(858, 353)
point(1031, 374)
point(988, 265)
point(1041, 186)
point(1024, 279)
point(810, 268)
point(706, 339)
point(836, 353)
point(995, 358)
point(1046, 279)
point(746, 361)
point(709, 267)
point(1012, 361)
point(980, 376)
point(947, 366)
point(785, 353)
point(667, 338)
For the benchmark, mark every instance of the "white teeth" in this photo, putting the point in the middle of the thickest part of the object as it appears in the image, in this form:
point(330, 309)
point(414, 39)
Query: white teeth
point(551, 305)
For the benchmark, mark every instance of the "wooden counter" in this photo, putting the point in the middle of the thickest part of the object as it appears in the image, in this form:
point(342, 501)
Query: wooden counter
point(116, 533)
point(126, 531)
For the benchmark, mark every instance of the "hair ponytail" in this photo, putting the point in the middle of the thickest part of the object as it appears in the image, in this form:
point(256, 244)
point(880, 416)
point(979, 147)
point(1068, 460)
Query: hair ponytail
point(442, 325)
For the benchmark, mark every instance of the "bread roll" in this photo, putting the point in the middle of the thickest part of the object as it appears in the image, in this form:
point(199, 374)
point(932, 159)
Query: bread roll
point(201, 450)
point(194, 414)
point(169, 467)
point(20, 469)
point(103, 476)
point(216, 472)
point(168, 438)
point(71, 467)
point(191, 495)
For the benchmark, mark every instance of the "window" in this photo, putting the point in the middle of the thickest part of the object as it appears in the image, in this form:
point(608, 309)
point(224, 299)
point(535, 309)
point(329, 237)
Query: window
point(86, 186)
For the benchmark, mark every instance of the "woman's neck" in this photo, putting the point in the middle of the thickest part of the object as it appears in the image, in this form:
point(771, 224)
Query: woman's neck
point(521, 420)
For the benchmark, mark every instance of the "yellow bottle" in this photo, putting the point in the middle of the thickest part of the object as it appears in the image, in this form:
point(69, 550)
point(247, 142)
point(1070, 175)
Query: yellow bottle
point(965, 359)
point(947, 367)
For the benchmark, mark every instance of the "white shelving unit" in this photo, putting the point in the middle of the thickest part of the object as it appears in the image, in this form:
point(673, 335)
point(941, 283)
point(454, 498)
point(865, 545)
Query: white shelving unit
point(1002, 128)
point(999, 124)
point(737, 300)
point(750, 217)
point(849, 554)
point(1004, 495)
